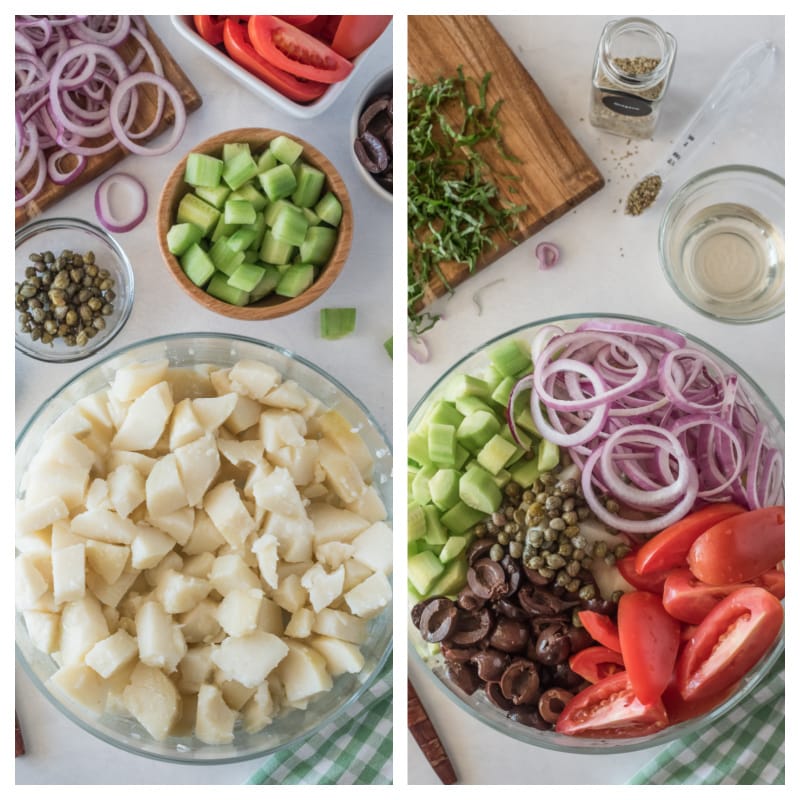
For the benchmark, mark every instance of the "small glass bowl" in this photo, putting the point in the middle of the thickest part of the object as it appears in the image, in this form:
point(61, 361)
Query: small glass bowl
point(188, 351)
point(721, 244)
point(382, 84)
point(478, 704)
point(63, 233)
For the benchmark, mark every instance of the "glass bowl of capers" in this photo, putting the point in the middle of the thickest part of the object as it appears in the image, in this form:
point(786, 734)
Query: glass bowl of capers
point(73, 287)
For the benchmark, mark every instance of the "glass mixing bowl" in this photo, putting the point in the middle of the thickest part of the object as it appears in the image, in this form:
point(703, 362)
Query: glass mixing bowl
point(478, 705)
point(189, 350)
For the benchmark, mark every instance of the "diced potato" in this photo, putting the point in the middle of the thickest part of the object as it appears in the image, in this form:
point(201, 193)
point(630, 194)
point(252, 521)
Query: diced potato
point(178, 524)
point(198, 464)
point(340, 625)
point(342, 433)
point(257, 712)
point(290, 594)
point(66, 450)
point(266, 549)
point(211, 412)
point(249, 659)
point(250, 451)
point(82, 626)
point(133, 380)
point(239, 611)
point(40, 541)
point(303, 672)
point(195, 669)
point(43, 629)
point(155, 575)
point(112, 653)
point(215, 720)
point(199, 566)
point(140, 461)
point(278, 429)
point(111, 593)
point(230, 572)
point(299, 568)
point(343, 474)
point(200, 625)
point(180, 593)
point(224, 505)
point(69, 573)
point(233, 693)
point(369, 506)
point(97, 495)
point(253, 378)
point(270, 617)
point(71, 422)
point(205, 537)
point(187, 719)
point(126, 488)
point(220, 380)
point(299, 626)
point(149, 546)
point(370, 597)
point(145, 419)
point(164, 487)
point(62, 535)
point(287, 395)
point(190, 381)
point(161, 643)
point(258, 471)
point(56, 480)
point(301, 462)
point(340, 657)
point(29, 584)
point(323, 587)
point(245, 415)
point(184, 426)
point(354, 573)
point(294, 535)
point(373, 547)
point(105, 526)
point(82, 685)
point(333, 524)
point(94, 408)
point(112, 618)
point(277, 492)
point(35, 516)
point(153, 699)
point(333, 554)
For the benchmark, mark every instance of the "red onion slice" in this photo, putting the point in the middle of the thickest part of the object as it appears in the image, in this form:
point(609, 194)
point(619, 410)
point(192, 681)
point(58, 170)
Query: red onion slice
point(138, 203)
point(548, 255)
point(418, 349)
point(520, 386)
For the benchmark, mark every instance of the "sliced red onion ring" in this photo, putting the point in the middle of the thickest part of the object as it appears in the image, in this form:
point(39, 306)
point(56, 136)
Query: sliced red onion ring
point(54, 171)
point(523, 384)
point(418, 349)
point(548, 255)
point(137, 207)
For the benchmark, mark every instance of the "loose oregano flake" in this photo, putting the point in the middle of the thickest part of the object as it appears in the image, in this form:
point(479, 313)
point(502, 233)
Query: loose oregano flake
point(455, 208)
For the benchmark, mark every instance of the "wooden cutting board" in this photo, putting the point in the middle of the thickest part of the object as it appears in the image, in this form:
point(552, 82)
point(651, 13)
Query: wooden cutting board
point(98, 164)
point(556, 174)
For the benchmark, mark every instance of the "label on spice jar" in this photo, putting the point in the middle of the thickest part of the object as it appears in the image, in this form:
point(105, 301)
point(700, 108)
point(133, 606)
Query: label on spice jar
point(627, 104)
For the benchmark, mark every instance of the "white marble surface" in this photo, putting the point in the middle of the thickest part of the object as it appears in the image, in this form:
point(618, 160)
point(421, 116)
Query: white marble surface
point(58, 751)
point(609, 264)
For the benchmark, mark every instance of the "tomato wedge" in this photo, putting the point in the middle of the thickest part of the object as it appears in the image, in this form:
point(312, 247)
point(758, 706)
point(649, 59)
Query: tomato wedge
point(294, 51)
point(689, 599)
point(610, 709)
point(241, 51)
point(650, 638)
point(652, 582)
point(297, 19)
point(669, 548)
point(774, 581)
point(595, 663)
point(729, 642)
point(323, 27)
point(601, 628)
point(209, 26)
point(356, 33)
point(679, 710)
point(740, 548)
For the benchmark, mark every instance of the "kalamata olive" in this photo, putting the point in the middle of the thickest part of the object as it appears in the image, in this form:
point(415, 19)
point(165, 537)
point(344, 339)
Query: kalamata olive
point(520, 682)
point(494, 694)
point(371, 152)
point(599, 605)
point(579, 639)
point(472, 627)
point(491, 664)
point(464, 676)
point(552, 703)
point(564, 676)
point(458, 655)
point(469, 601)
point(373, 110)
point(438, 620)
point(507, 609)
point(534, 577)
point(513, 574)
point(538, 624)
point(478, 549)
point(539, 601)
point(487, 579)
point(552, 646)
point(510, 635)
point(530, 716)
point(388, 139)
point(416, 611)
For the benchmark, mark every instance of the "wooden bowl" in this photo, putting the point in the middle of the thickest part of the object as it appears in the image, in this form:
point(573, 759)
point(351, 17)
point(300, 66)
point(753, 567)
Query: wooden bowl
point(273, 305)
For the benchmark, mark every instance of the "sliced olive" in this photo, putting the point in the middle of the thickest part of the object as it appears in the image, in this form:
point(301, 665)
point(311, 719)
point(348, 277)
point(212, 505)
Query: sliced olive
point(510, 635)
point(416, 611)
point(478, 549)
point(552, 646)
point(438, 620)
point(458, 655)
point(473, 627)
point(507, 609)
point(520, 682)
point(491, 664)
point(494, 693)
point(487, 579)
point(530, 716)
point(464, 676)
point(552, 703)
point(469, 601)
point(513, 574)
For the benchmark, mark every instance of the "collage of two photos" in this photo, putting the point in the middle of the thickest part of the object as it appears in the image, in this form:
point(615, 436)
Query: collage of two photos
point(245, 527)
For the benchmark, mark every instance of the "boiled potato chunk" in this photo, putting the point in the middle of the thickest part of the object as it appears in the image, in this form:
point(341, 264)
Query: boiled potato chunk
point(343, 475)
point(231, 572)
point(342, 433)
point(134, 380)
point(280, 428)
point(83, 625)
point(211, 412)
point(200, 625)
point(178, 524)
point(340, 625)
point(205, 538)
point(369, 506)
point(149, 546)
point(257, 712)
point(198, 464)
point(126, 489)
point(340, 656)
point(239, 611)
point(333, 554)
point(370, 597)
point(153, 699)
point(35, 516)
point(43, 628)
point(195, 669)
point(290, 594)
point(332, 524)
point(184, 426)
point(82, 685)
point(215, 720)
point(303, 673)
point(228, 513)
point(373, 547)
point(300, 624)
point(323, 587)
point(145, 420)
point(253, 378)
point(164, 487)
point(111, 593)
point(249, 451)
point(69, 573)
point(112, 653)
point(161, 643)
point(249, 659)
point(277, 492)
point(287, 395)
point(29, 584)
point(179, 592)
point(294, 535)
point(105, 526)
point(266, 549)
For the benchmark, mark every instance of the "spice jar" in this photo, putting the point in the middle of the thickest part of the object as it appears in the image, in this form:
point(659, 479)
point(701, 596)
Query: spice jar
point(632, 68)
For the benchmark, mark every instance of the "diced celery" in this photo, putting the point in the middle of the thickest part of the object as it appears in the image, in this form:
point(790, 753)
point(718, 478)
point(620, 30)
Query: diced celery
point(181, 236)
point(477, 489)
point(246, 277)
point(225, 259)
point(278, 182)
point(239, 168)
point(197, 265)
point(290, 226)
point(318, 244)
point(423, 570)
point(215, 195)
point(275, 252)
point(267, 283)
point(203, 170)
point(549, 456)
point(218, 287)
point(443, 488)
point(192, 209)
point(295, 280)
point(272, 210)
point(329, 209)
point(477, 429)
point(239, 212)
point(334, 323)
point(230, 149)
point(286, 150)
point(510, 358)
point(460, 518)
point(241, 239)
point(435, 532)
point(310, 182)
point(252, 195)
point(266, 160)
point(417, 527)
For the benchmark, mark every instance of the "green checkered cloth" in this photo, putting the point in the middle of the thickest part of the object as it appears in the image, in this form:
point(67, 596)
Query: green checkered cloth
point(746, 746)
point(356, 748)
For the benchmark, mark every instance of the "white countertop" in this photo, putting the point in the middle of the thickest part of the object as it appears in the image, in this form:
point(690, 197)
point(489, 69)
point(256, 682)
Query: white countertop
point(58, 751)
point(609, 264)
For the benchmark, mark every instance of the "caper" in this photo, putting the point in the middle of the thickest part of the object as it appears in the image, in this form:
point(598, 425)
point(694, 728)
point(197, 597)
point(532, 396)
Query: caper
point(91, 269)
point(557, 524)
point(88, 257)
point(58, 297)
point(555, 561)
point(621, 550)
point(570, 517)
point(515, 549)
point(496, 552)
point(600, 549)
point(537, 562)
point(546, 572)
point(84, 294)
point(82, 339)
point(502, 537)
point(573, 568)
point(587, 591)
point(612, 506)
point(27, 290)
point(573, 585)
point(99, 323)
point(47, 338)
point(480, 528)
point(95, 303)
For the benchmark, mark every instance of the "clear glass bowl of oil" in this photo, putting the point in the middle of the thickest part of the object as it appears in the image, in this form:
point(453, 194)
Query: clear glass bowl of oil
point(721, 243)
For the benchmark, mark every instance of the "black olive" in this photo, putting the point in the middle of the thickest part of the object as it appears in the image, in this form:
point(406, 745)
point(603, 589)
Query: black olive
point(438, 620)
point(472, 627)
point(487, 579)
point(494, 694)
point(510, 635)
point(464, 676)
point(530, 716)
point(552, 703)
point(520, 682)
point(491, 664)
point(478, 549)
point(552, 646)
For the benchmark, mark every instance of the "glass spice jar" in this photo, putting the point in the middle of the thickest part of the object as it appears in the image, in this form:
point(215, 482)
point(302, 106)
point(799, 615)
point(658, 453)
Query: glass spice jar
point(632, 68)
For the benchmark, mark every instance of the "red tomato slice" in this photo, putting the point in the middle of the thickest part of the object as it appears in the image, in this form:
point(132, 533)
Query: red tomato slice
point(728, 642)
point(669, 548)
point(356, 33)
point(774, 581)
point(653, 582)
point(294, 51)
point(601, 628)
point(595, 663)
point(323, 27)
point(650, 638)
point(610, 709)
point(297, 19)
point(740, 548)
point(241, 51)
point(689, 599)
point(209, 26)
point(679, 710)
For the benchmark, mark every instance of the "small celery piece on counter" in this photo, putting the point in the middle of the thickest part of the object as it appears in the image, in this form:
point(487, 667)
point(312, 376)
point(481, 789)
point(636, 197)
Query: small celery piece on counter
point(388, 346)
point(334, 323)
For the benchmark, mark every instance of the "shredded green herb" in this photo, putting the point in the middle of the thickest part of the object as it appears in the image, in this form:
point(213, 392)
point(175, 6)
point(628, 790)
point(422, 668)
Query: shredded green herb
point(455, 208)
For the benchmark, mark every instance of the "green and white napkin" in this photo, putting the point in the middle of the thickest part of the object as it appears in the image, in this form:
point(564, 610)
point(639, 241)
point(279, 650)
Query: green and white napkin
point(746, 746)
point(356, 748)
